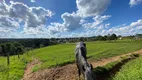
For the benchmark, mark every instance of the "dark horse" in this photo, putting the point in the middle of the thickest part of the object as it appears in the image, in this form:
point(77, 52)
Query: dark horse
point(81, 60)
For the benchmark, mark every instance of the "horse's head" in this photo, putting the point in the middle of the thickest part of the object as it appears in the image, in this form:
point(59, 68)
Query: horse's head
point(82, 46)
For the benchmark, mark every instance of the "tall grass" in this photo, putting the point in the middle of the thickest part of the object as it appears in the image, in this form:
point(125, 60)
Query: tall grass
point(131, 71)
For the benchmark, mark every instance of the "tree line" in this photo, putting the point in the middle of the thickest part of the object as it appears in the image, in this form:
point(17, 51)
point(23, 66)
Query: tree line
point(11, 48)
point(28, 44)
point(86, 39)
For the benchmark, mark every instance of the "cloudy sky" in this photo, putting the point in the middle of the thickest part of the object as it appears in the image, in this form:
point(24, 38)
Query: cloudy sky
point(69, 18)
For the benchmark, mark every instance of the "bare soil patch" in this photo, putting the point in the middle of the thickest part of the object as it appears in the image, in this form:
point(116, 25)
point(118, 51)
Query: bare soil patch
point(28, 71)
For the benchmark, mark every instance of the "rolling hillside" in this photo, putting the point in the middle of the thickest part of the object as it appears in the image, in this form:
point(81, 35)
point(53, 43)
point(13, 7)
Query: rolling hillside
point(62, 54)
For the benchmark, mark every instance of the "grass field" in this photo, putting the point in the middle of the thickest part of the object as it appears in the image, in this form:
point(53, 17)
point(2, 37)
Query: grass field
point(16, 68)
point(62, 54)
point(130, 71)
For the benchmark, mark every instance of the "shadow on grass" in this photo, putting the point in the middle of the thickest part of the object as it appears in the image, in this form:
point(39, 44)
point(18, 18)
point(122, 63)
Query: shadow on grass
point(104, 73)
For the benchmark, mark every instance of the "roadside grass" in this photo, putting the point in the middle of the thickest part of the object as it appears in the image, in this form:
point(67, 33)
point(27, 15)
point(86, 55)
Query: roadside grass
point(103, 72)
point(16, 68)
point(61, 54)
point(108, 71)
point(130, 71)
point(36, 68)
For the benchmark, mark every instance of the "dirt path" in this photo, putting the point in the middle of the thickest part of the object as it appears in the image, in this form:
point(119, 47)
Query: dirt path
point(67, 72)
point(28, 71)
point(103, 62)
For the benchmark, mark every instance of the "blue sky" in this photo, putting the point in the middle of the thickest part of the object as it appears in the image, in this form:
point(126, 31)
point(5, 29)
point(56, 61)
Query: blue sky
point(69, 18)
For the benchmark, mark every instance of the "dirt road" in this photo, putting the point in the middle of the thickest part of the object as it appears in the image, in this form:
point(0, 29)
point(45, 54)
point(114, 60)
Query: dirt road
point(66, 72)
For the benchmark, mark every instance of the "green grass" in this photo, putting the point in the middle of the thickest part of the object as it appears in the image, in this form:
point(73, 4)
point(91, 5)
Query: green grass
point(130, 71)
point(107, 49)
point(61, 54)
point(108, 71)
point(35, 68)
point(104, 72)
point(101, 70)
point(16, 68)
point(64, 53)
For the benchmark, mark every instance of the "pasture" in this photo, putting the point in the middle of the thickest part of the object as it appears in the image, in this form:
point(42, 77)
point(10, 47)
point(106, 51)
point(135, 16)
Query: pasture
point(61, 54)
point(64, 53)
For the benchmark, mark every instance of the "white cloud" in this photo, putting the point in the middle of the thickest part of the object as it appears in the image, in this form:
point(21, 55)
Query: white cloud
point(135, 2)
point(55, 28)
point(15, 13)
point(76, 20)
point(34, 18)
point(8, 24)
point(132, 29)
point(70, 22)
point(33, 1)
point(91, 7)
point(31, 30)
point(98, 20)
point(83, 21)
point(138, 23)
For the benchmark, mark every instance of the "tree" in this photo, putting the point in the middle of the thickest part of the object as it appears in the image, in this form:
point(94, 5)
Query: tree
point(8, 50)
point(138, 36)
point(41, 45)
point(101, 38)
point(0, 50)
point(13, 51)
point(18, 49)
point(119, 36)
point(5, 50)
point(113, 37)
point(106, 37)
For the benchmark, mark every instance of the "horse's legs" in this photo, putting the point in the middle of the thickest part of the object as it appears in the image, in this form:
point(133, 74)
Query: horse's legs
point(79, 73)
